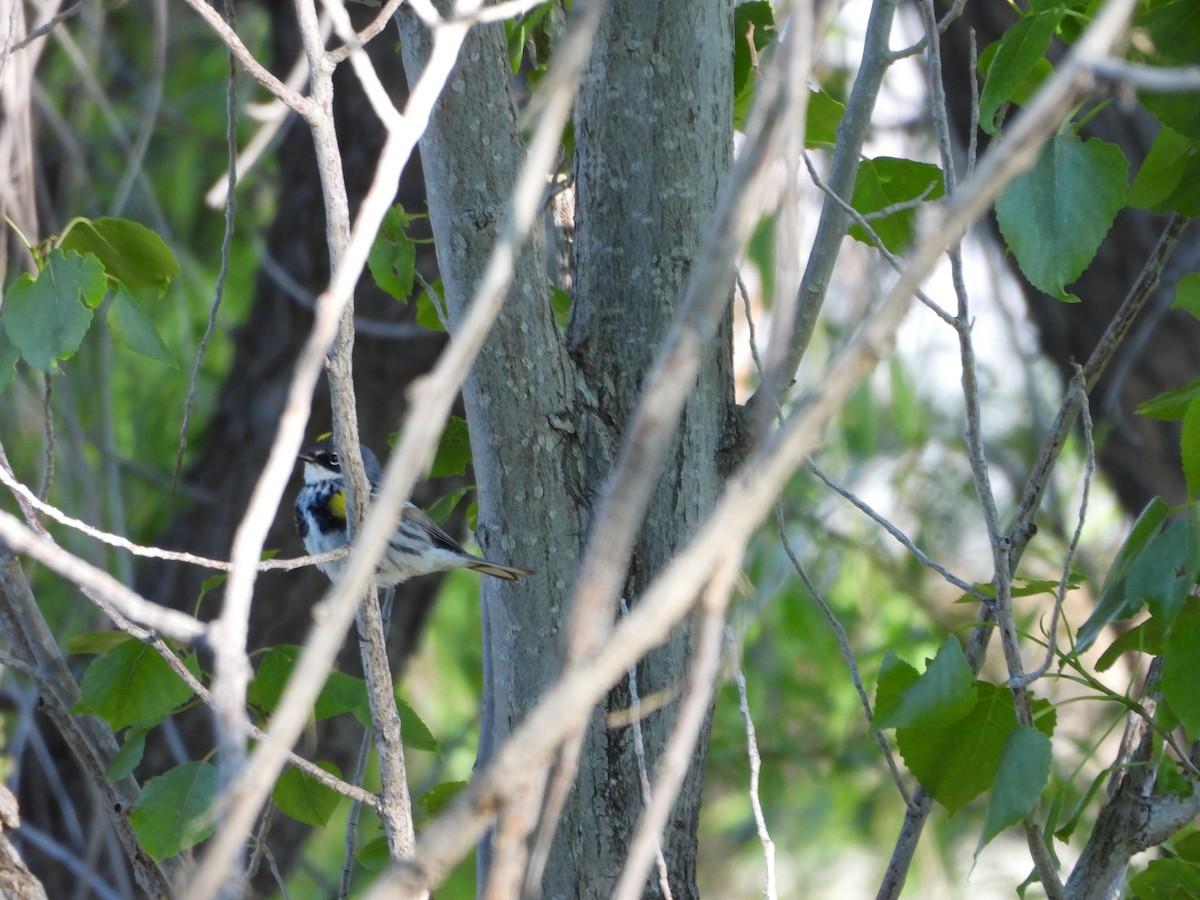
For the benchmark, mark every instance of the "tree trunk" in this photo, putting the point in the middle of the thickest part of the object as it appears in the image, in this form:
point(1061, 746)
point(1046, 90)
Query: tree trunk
point(653, 135)
point(653, 129)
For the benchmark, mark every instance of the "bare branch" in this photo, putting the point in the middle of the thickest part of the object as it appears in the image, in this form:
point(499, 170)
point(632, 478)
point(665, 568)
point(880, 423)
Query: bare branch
point(1149, 78)
point(296, 101)
point(45, 28)
point(852, 132)
point(90, 739)
point(862, 222)
point(133, 606)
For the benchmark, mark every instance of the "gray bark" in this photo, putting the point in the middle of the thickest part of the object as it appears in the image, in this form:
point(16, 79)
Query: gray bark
point(653, 135)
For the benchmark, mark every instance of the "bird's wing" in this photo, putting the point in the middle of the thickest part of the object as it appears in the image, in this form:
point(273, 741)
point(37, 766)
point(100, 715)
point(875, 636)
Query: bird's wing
point(430, 527)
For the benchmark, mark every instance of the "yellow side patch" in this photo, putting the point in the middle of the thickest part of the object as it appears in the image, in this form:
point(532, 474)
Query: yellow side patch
point(337, 504)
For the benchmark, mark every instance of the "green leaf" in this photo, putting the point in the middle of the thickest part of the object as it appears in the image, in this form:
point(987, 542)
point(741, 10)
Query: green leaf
point(453, 451)
point(1190, 446)
point(434, 800)
point(413, 730)
point(560, 303)
point(1065, 831)
point(129, 757)
point(821, 121)
point(441, 509)
point(393, 255)
point(1187, 846)
point(173, 812)
point(9, 354)
point(428, 308)
point(96, 642)
point(885, 181)
point(299, 795)
point(47, 318)
point(130, 252)
point(1024, 587)
point(1187, 294)
point(375, 855)
point(1179, 112)
point(1055, 215)
point(514, 30)
point(958, 762)
point(753, 25)
point(1171, 405)
point(1023, 772)
point(1166, 879)
point(1159, 179)
point(1017, 54)
point(943, 695)
point(1163, 573)
point(342, 693)
point(1113, 603)
point(130, 325)
point(132, 684)
point(895, 677)
point(1146, 637)
point(1181, 687)
point(1174, 31)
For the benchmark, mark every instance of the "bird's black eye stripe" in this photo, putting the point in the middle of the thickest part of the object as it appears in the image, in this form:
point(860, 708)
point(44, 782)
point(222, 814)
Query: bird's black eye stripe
point(331, 459)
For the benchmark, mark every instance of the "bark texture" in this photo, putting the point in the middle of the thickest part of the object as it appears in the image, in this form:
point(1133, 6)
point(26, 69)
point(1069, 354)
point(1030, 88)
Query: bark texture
point(653, 134)
point(653, 130)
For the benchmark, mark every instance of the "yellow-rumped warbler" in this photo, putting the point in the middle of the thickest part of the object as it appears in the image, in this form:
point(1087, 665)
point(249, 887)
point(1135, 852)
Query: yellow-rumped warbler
point(418, 547)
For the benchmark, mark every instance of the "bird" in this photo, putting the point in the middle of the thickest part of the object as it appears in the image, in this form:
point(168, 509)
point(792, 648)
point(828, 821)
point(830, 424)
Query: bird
point(418, 546)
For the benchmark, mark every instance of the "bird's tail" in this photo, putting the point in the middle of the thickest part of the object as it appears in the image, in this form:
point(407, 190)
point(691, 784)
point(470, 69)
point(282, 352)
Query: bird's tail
point(504, 573)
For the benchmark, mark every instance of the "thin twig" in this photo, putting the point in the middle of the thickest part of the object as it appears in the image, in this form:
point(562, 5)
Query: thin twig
point(48, 26)
point(639, 753)
point(48, 430)
point(21, 539)
point(826, 610)
point(918, 554)
point(30, 502)
point(946, 21)
point(860, 220)
point(760, 821)
point(226, 245)
point(676, 756)
point(1060, 593)
point(852, 133)
point(846, 650)
point(295, 100)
